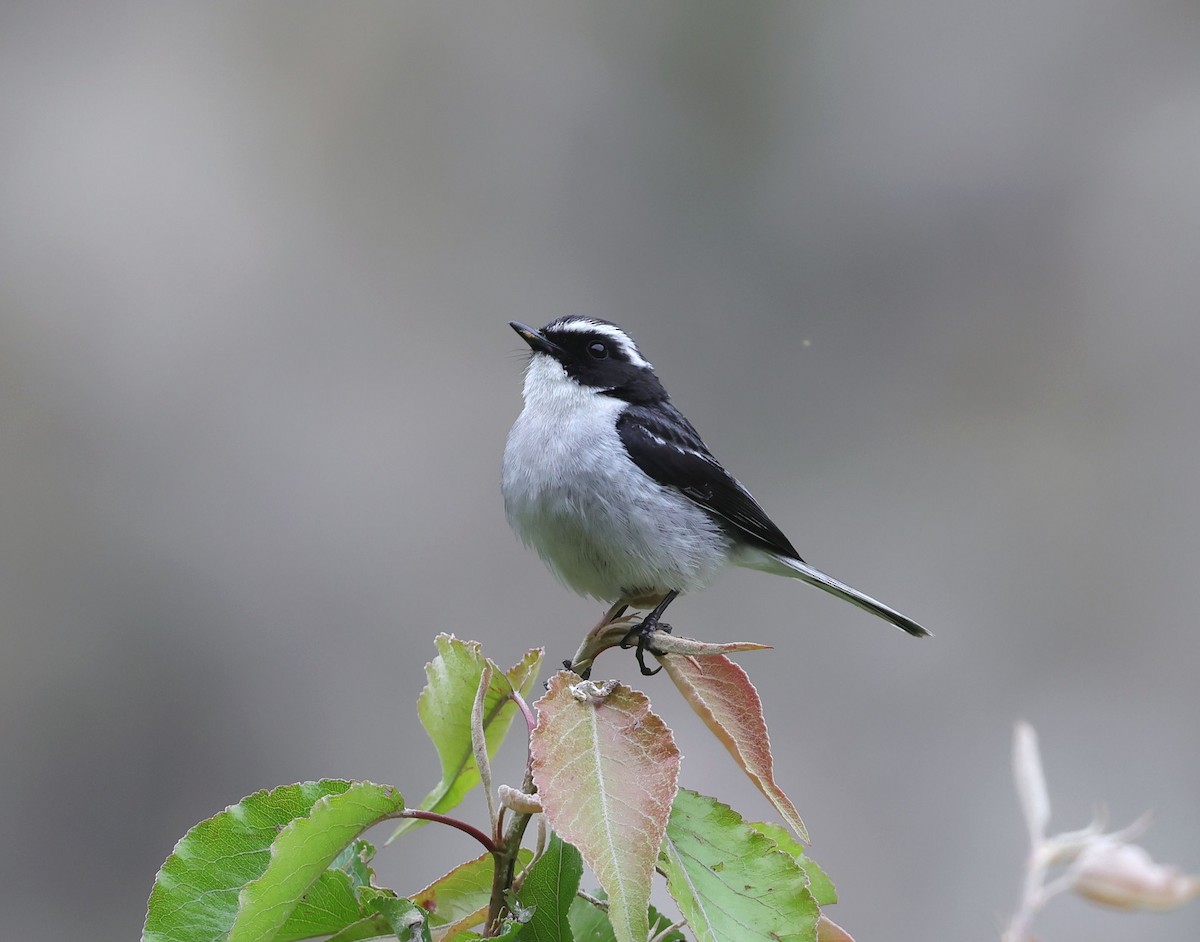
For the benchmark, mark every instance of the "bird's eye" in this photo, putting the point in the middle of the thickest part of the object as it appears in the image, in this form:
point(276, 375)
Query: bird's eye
point(597, 350)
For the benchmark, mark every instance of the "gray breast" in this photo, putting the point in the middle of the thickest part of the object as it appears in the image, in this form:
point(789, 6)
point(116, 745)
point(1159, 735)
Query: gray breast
point(601, 525)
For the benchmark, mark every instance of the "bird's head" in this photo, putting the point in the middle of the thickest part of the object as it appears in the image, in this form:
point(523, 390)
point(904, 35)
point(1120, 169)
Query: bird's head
point(592, 355)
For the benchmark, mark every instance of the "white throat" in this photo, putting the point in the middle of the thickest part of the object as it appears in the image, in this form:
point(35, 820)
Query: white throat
point(549, 391)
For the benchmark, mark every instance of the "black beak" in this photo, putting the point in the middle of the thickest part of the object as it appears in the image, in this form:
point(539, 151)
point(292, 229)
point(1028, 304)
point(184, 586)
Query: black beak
point(537, 343)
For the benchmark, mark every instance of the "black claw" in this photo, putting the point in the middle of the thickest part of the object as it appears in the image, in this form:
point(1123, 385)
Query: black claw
point(570, 665)
point(641, 659)
point(642, 632)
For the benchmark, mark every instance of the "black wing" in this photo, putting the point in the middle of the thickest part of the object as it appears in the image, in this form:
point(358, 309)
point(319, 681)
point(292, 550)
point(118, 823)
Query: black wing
point(665, 446)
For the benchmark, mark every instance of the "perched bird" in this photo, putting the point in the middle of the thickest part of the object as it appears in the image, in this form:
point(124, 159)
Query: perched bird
point(618, 493)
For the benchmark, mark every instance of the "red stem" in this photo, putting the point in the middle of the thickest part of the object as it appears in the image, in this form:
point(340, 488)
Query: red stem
point(483, 839)
point(530, 720)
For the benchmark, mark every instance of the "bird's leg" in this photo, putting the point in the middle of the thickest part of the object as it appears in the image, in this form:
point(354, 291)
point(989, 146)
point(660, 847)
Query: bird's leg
point(614, 613)
point(647, 627)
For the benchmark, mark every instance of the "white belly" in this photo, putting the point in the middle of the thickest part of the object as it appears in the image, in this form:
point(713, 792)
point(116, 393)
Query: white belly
point(601, 525)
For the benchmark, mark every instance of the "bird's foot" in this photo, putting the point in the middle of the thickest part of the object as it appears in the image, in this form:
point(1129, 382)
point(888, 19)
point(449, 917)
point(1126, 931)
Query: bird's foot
point(642, 632)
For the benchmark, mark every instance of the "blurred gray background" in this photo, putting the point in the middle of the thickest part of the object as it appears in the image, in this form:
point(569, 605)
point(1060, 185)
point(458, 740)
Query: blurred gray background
point(925, 275)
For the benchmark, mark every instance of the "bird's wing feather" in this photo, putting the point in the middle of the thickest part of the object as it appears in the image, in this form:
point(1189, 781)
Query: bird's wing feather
point(663, 444)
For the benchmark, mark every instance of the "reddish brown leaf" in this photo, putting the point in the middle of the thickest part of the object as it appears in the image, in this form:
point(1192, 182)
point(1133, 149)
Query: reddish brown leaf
point(721, 694)
point(606, 770)
point(830, 931)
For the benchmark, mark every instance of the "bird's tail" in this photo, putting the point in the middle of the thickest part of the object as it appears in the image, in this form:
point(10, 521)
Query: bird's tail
point(799, 569)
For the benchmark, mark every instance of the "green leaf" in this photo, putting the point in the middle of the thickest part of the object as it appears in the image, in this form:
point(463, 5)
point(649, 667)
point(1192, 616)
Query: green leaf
point(732, 883)
point(445, 709)
point(408, 921)
point(606, 769)
point(302, 851)
point(819, 884)
point(373, 926)
point(355, 862)
point(660, 923)
point(332, 903)
point(329, 906)
point(510, 933)
point(464, 892)
point(548, 890)
point(590, 924)
point(195, 895)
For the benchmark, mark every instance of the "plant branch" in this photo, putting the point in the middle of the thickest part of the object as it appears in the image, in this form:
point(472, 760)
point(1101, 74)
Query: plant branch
point(504, 854)
point(600, 904)
point(612, 629)
point(530, 719)
point(673, 927)
point(606, 633)
point(483, 839)
point(1031, 901)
